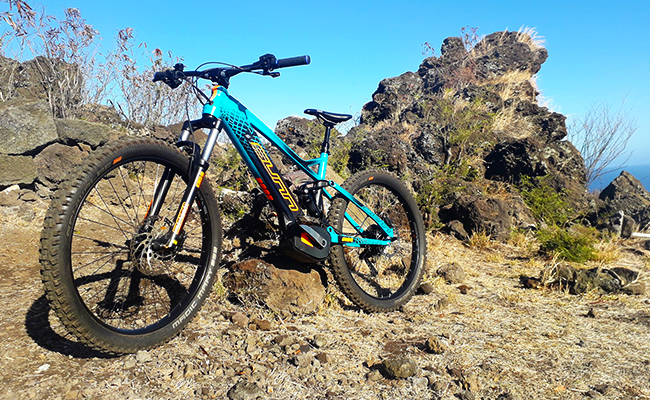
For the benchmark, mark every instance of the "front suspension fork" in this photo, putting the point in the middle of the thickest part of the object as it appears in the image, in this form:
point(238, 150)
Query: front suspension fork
point(198, 168)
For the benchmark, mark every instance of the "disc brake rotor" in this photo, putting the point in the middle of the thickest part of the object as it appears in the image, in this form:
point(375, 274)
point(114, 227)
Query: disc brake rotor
point(147, 251)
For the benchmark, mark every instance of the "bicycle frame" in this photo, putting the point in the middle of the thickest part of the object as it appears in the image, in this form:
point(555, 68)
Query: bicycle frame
point(224, 113)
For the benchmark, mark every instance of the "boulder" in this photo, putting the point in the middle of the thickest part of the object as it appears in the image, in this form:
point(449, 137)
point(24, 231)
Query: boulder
point(55, 162)
point(625, 193)
point(73, 131)
point(531, 157)
point(486, 210)
point(296, 290)
point(605, 280)
point(18, 170)
point(545, 125)
point(25, 126)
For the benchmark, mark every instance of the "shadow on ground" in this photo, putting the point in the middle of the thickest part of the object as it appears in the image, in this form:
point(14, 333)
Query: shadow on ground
point(38, 328)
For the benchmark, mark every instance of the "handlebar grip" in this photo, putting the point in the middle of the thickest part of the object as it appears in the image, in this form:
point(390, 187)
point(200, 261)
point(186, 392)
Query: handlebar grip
point(159, 76)
point(169, 77)
point(292, 62)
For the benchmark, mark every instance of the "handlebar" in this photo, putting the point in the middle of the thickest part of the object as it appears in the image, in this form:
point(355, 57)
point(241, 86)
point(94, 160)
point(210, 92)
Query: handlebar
point(266, 64)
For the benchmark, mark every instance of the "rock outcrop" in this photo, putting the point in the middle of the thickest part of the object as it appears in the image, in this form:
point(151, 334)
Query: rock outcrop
point(37, 148)
point(627, 195)
point(474, 115)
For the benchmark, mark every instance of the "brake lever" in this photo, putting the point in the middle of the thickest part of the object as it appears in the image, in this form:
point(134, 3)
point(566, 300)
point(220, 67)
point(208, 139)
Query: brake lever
point(272, 74)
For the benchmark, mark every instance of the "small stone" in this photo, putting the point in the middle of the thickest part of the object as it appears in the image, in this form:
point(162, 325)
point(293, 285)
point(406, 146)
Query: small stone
point(435, 346)
point(239, 319)
point(29, 196)
point(441, 303)
point(452, 273)
point(230, 372)
point(128, 364)
point(143, 356)
point(470, 382)
point(400, 368)
point(190, 371)
point(323, 358)
point(466, 395)
point(464, 289)
point(43, 368)
point(262, 324)
point(420, 383)
point(304, 348)
point(426, 288)
point(635, 288)
point(245, 391)
point(374, 376)
point(71, 395)
point(320, 341)
point(205, 390)
point(283, 340)
point(455, 372)
point(437, 385)
point(302, 360)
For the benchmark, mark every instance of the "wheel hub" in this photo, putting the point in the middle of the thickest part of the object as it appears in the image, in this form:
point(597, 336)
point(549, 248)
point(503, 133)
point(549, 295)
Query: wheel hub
point(148, 249)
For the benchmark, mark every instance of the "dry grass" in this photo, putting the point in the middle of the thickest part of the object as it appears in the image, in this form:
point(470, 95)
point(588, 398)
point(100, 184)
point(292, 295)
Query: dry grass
point(608, 251)
point(531, 37)
point(506, 85)
point(508, 121)
point(480, 241)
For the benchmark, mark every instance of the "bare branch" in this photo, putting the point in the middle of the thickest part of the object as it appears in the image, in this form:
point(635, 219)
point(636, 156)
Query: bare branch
point(602, 137)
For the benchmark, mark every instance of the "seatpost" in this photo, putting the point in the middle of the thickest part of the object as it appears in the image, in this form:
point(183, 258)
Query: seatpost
point(325, 148)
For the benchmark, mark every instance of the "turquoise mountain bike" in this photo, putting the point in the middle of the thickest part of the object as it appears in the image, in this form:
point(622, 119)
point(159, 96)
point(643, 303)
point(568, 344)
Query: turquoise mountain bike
point(132, 241)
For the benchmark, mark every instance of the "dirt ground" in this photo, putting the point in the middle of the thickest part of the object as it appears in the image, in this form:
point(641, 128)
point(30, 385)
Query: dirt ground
point(500, 340)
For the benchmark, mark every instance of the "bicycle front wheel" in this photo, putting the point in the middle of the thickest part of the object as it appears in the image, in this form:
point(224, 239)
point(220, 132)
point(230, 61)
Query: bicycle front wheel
point(378, 278)
point(104, 275)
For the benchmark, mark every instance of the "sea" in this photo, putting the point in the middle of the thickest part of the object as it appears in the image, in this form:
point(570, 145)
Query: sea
point(640, 172)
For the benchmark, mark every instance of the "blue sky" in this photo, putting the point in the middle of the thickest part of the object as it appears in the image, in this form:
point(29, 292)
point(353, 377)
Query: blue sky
point(598, 50)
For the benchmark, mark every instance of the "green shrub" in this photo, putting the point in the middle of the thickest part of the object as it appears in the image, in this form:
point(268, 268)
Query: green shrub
point(433, 191)
point(339, 157)
point(570, 245)
point(546, 203)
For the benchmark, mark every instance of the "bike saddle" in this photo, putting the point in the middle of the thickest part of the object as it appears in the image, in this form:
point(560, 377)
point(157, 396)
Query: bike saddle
point(328, 117)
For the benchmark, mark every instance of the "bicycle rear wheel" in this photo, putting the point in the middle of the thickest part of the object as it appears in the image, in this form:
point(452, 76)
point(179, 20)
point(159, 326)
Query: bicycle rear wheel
point(104, 276)
point(378, 278)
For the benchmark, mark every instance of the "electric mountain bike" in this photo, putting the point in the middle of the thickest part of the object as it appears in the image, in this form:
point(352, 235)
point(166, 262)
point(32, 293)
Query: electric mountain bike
point(132, 242)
